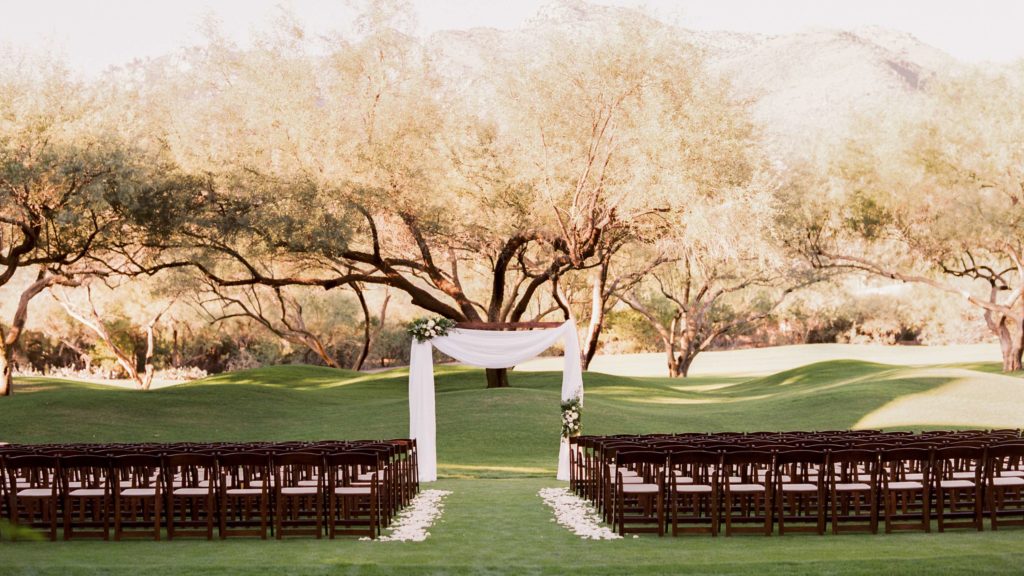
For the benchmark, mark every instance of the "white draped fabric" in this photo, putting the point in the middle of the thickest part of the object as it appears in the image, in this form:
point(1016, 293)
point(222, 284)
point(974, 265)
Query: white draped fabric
point(486, 349)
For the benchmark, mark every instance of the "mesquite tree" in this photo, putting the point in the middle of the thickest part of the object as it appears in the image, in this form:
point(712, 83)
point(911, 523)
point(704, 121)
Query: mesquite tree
point(62, 172)
point(89, 315)
point(934, 195)
point(365, 166)
point(726, 271)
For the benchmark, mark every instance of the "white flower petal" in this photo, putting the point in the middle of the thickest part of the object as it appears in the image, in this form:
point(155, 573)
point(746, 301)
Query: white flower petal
point(412, 523)
point(576, 514)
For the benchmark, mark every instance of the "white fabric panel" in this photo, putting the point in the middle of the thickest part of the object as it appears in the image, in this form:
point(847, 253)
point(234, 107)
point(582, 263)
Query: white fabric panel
point(485, 349)
point(422, 419)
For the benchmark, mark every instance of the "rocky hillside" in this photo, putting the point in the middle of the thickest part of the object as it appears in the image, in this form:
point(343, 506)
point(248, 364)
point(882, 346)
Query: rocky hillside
point(805, 87)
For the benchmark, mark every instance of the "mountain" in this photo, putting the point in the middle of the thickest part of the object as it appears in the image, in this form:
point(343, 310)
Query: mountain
point(805, 87)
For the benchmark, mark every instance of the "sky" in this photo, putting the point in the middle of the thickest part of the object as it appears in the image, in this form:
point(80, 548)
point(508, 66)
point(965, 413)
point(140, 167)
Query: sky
point(95, 34)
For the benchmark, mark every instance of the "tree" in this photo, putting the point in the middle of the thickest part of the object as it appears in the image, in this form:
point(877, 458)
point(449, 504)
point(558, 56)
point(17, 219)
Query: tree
point(365, 167)
point(283, 313)
point(94, 319)
point(62, 170)
point(935, 195)
point(727, 270)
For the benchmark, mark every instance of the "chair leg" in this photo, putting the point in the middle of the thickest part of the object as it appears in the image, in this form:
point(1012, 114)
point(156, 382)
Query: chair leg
point(157, 505)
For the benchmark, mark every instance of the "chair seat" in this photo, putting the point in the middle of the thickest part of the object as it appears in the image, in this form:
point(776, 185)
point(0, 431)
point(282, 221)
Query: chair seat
point(800, 487)
point(84, 492)
point(956, 484)
point(309, 483)
point(259, 483)
point(297, 490)
point(35, 492)
point(1008, 481)
point(640, 488)
point(244, 491)
point(851, 486)
point(366, 477)
point(905, 486)
point(138, 492)
point(632, 480)
point(191, 491)
point(746, 488)
point(353, 490)
point(625, 471)
point(914, 476)
point(963, 475)
point(693, 489)
point(1012, 473)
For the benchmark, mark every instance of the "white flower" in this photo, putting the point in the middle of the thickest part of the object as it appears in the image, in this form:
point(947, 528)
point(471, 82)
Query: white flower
point(430, 323)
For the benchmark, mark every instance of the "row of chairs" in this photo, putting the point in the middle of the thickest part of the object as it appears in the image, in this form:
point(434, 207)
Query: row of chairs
point(251, 489)
point(802, 481)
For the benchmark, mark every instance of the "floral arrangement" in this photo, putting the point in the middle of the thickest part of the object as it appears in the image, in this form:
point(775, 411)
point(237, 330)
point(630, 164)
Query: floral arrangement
point(423, 329)
point(572, 409)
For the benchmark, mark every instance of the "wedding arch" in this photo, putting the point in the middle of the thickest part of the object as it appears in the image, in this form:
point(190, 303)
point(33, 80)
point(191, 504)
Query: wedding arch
point(486, 346)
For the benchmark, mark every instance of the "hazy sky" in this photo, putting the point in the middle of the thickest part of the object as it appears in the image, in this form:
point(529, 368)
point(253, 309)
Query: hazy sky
point(94, 34)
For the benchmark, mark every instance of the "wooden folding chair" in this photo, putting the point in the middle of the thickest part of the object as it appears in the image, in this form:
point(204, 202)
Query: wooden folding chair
point(853, 485)
point(190, 486)
point(906, 488)
point(299, 488)
point(638, 492)
point(746, 480)
point(800, 490)
point(138, 495)
point(244, 494)
point(33, 483)
point(1004, 478)
point(86, 486)
point(693, 491)
point(354, 493)
point(958, 484)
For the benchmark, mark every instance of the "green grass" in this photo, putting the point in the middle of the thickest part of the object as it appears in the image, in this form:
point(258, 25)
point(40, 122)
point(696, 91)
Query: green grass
point(496, 449)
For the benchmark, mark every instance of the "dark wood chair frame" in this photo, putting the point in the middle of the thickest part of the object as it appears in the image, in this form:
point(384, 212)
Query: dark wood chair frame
point(138, 487)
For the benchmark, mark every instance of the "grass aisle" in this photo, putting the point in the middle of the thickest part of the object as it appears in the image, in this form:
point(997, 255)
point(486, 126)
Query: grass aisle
point(502, 527)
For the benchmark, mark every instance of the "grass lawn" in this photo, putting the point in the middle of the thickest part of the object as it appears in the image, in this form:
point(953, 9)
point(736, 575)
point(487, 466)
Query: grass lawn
point(497, 448)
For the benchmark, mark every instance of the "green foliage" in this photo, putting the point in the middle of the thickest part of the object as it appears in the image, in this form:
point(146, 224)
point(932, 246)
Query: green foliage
point(627, 331)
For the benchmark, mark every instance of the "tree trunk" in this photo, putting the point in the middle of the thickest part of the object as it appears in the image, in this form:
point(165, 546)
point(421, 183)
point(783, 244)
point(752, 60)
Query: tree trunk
point(673, 365)
point(1011, 343)
point(316, 346)
point(683, 362)
point(6, 369)
point(367, 328)
point(597, 306)
point(175, 346)
point(1010, 331)
point(9, 341)
point(497, 377)
point(679, 362)
point(147, 379)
